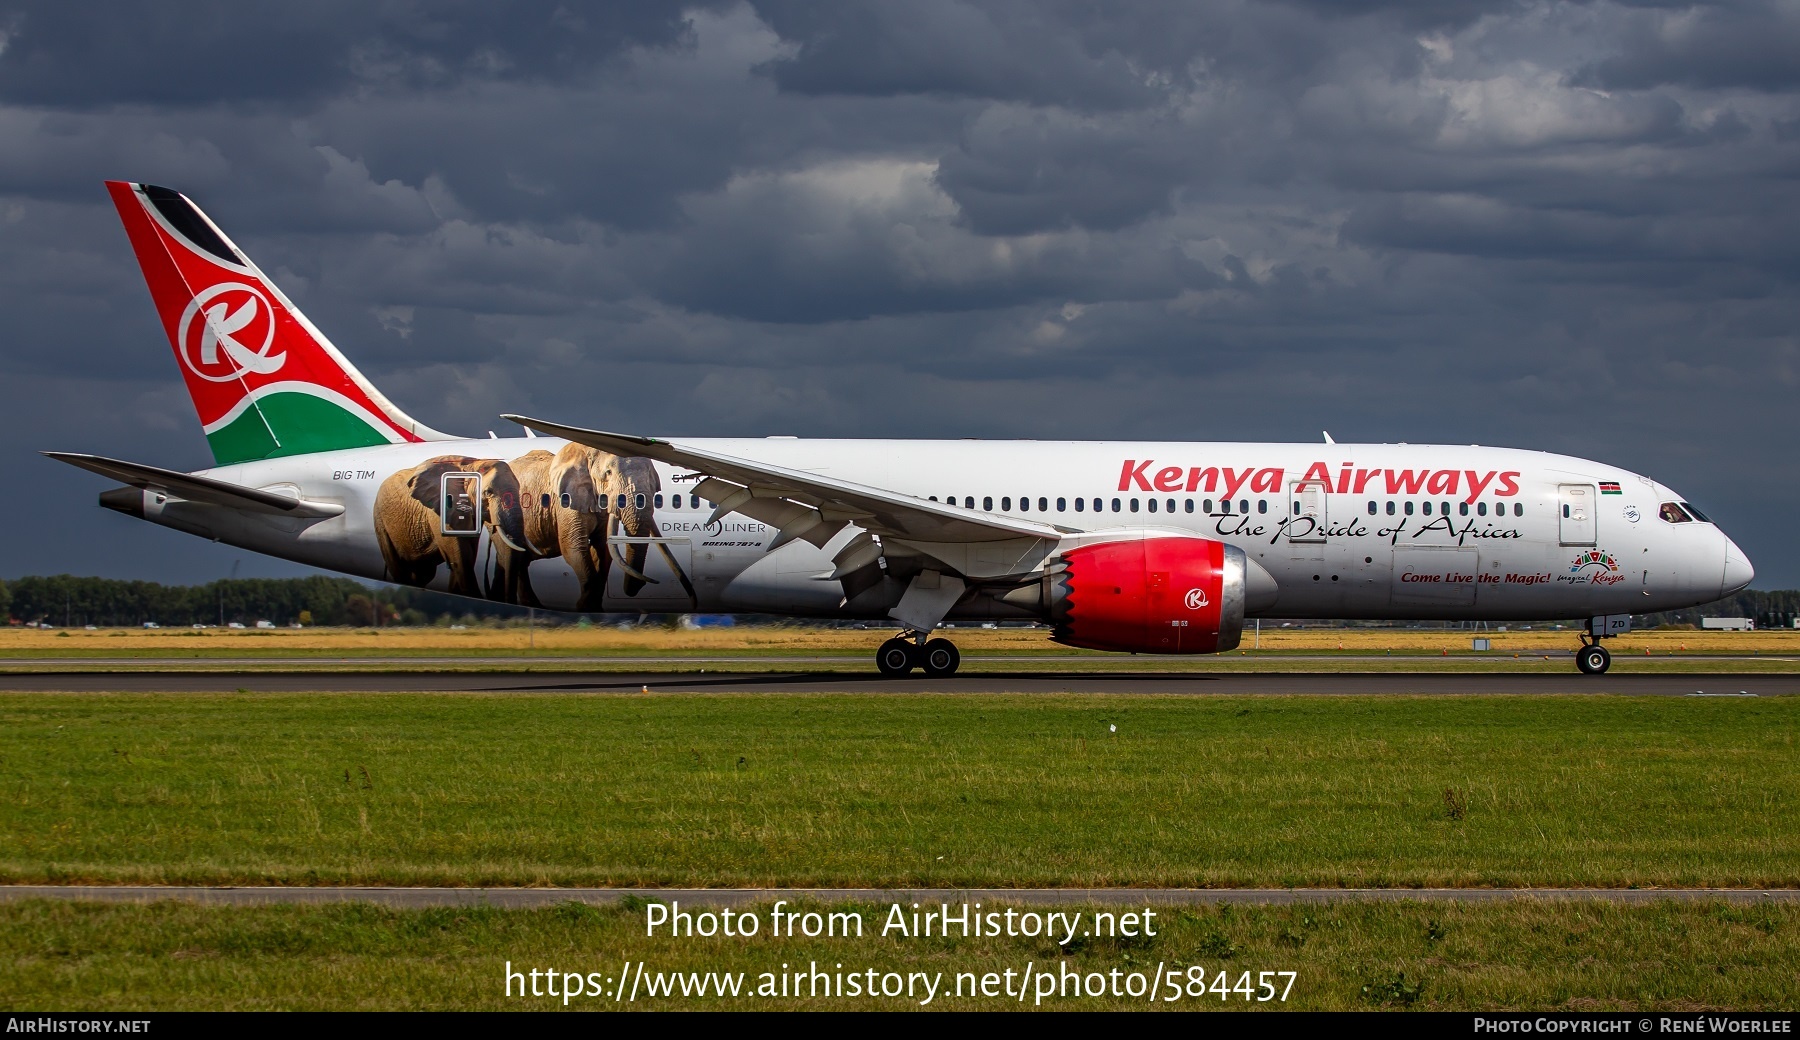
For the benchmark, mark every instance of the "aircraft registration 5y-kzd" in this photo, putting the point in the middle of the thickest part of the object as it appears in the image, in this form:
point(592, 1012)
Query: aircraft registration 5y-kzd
point(1161, 548)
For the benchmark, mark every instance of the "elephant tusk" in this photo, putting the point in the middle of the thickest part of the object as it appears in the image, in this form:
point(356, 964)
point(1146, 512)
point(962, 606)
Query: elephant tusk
point(680, 575)
point(628, 568)
point(500, 533)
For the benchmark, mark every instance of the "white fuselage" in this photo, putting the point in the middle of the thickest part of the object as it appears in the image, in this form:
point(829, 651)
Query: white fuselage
point(1391, 530)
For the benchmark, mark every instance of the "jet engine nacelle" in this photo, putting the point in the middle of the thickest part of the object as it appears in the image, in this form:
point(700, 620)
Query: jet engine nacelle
point(1159, 595)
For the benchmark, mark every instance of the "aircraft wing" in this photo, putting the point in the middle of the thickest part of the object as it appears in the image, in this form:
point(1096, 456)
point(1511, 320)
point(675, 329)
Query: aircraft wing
point(197, 489)
point(834, 502)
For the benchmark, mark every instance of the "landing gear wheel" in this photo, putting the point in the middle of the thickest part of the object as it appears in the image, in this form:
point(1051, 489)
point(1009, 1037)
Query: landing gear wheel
point(896, 657)
point(1593, 659)
point(941, 658)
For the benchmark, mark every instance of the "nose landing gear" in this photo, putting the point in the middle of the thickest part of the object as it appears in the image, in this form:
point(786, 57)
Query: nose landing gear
point(1592, 658)
point(898, 656)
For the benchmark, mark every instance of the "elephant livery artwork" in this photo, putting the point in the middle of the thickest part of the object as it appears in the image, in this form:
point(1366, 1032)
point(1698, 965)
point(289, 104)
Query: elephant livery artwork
point(589, 508)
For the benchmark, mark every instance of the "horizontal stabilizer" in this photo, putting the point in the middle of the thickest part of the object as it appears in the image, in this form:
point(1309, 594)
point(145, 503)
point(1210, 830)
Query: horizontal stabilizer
point(199, 489)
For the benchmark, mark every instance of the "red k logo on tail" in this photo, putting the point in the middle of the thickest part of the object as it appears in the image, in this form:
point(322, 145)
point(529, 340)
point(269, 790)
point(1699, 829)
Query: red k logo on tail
point(232, 316)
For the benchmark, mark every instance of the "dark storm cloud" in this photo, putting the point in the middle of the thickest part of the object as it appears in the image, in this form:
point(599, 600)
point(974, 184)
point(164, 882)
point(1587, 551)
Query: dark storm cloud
point(1570, 226)
point(1016, 51)
point(1752, 46)
point(221, 51)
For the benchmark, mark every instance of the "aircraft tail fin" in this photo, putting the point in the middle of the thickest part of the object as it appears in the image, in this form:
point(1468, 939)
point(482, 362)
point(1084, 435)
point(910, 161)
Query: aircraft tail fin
point(265, 381)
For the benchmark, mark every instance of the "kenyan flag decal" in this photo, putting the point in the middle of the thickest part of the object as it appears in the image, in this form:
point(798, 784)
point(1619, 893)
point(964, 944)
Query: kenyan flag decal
point(1611, 487)
point(264, 380)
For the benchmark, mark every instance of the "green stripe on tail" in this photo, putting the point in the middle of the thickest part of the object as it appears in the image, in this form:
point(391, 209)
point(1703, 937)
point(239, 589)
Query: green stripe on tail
point(301, 424)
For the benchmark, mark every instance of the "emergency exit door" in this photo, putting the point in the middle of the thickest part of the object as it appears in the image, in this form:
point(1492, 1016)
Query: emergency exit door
point(1577, 508)
point(1306, 512)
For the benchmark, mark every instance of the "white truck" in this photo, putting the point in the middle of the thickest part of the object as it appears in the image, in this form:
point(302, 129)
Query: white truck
point(1729, 624)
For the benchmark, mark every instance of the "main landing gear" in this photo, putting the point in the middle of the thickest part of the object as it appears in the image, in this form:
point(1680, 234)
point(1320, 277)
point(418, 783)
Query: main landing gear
point(1592, 658)
point(936, 657)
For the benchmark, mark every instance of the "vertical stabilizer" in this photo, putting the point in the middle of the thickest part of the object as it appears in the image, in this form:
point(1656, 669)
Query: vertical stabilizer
point(265, 380)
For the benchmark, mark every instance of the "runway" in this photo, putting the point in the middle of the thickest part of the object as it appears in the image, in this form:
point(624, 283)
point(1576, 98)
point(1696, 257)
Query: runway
point(1743, 685)
point(526, 898)
point(853, 662)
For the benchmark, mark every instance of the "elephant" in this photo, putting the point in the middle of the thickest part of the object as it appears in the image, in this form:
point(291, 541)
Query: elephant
point(578, 491)
point(409, 524)
point(629, 486)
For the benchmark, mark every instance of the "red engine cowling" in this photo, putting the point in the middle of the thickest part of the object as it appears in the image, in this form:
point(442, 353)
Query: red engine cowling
point(1167, 595)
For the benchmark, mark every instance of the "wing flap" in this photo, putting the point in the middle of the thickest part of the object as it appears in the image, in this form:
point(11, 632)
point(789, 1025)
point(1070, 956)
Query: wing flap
point(198, 489)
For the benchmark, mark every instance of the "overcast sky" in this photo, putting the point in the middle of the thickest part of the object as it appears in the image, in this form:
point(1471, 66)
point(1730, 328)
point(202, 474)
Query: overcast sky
point(1565, 226)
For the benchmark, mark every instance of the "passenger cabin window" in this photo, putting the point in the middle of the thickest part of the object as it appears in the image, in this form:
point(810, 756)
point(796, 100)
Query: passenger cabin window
point(1428, 509)
point(1409, 507)
point(1208, 505)
point(1243, 505)
point(1044, 505)
point(1262, 505)
point(1518, 509)
point(1006, 504)
point(659, 501)
point(1390, 509)
point(1372, 507)
point(1671, 513)
point(1190, 505)
point(987, 503)
point(1481, 509)
point(968, 502)
point(1115, 505)
point(621, 502)
point(1225, 506)
point(1078, 504)
point(638, 501)
point(1464, 509)
point(1059, 504)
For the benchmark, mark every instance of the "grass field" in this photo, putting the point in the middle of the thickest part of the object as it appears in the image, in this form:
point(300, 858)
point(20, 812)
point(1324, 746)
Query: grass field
point(1574, 955)
point(884, 790)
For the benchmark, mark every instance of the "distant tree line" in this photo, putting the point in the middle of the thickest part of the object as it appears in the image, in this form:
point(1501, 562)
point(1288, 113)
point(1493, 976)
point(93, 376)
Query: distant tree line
point(64, 599)
point(1776, 609)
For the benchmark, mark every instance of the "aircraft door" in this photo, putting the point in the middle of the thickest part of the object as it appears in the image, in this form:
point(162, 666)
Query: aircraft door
point(1576, 505)
point(1306, 511)
point(459, 505)
point(667, 562)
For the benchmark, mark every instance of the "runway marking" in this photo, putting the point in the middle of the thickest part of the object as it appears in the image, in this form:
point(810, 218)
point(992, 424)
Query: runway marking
point(524, 898)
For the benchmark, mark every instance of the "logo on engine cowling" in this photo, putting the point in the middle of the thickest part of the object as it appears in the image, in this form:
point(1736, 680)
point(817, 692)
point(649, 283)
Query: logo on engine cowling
point(1196, 598)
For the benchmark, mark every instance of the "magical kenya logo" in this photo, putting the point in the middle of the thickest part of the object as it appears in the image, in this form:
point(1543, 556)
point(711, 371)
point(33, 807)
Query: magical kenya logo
point(1595, 567)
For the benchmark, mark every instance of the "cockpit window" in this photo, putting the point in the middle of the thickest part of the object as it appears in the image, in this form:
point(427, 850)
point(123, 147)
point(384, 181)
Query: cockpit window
point(1672, 513)
point(1695, 513)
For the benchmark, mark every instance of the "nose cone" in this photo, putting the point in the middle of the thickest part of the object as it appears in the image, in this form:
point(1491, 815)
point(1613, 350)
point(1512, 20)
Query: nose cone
point(1738, 571)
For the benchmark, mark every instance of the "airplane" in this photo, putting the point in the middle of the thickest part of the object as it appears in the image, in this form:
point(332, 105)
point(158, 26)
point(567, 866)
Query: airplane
point(1125, 546)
